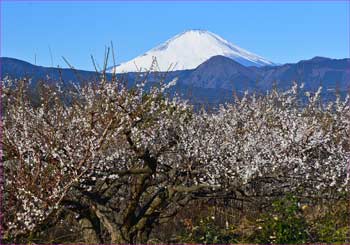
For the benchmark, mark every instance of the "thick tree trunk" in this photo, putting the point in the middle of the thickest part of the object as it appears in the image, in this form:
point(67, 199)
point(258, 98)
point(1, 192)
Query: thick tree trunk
point(89, 232)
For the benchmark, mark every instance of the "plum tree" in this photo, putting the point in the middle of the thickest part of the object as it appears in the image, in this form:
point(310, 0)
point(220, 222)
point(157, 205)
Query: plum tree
point(125, 160)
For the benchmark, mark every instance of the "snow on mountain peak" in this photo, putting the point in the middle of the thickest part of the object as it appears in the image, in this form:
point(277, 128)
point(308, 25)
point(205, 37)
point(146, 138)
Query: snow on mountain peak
point(189, 49)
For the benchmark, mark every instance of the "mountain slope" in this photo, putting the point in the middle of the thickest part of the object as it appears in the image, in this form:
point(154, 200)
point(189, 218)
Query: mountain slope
point(220, 72)
point(212, 81)
point(332, 74)
point(15, 68)
point(188, 50)
point(224, 73)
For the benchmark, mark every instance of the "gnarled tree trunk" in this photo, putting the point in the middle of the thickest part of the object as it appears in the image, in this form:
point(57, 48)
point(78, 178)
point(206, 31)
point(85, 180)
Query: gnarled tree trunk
point(89, 231)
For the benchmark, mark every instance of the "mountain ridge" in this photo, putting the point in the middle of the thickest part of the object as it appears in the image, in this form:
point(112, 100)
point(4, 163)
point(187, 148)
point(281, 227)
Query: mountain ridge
point(213, 80)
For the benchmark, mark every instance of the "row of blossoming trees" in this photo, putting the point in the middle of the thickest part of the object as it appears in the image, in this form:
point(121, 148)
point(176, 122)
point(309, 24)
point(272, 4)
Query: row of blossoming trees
point(125, 160)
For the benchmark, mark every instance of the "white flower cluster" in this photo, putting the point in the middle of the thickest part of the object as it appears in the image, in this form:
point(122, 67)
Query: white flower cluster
point(94, 136)
point(280, 136)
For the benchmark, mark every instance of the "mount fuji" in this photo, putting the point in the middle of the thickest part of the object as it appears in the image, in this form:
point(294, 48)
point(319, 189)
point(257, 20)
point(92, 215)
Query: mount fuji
point(187, 51)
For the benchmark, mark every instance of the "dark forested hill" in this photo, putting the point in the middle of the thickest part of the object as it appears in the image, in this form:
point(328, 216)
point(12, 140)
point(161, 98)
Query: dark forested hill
point(214, 80)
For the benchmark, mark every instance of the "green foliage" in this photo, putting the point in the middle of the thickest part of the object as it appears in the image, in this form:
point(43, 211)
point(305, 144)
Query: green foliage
point(289, 221)
point(208, 232)
point(329, 233)
point(285, 224)
point(333, 225)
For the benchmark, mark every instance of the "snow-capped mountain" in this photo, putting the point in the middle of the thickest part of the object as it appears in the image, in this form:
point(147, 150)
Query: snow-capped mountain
point(188, 50)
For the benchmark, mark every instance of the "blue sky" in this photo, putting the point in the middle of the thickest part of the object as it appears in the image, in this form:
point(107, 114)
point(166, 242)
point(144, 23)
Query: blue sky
point(280, 31)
